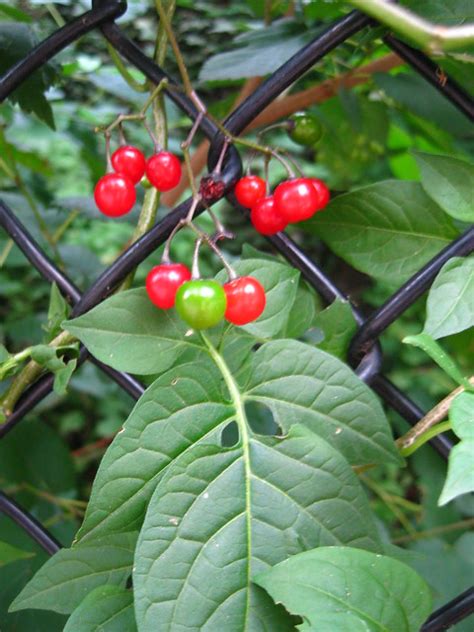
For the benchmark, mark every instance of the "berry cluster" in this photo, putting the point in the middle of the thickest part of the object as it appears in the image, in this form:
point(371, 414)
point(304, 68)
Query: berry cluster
point(204, 303)
point(115, 192)
point(293, 200)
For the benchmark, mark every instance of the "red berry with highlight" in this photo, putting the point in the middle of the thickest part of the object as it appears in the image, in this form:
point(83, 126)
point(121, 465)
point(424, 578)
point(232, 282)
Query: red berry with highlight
point(129, 161)
point(114, 194)
point(163, 170)
point(322, 191)
point(249, 190)
point(245, 300)
point(265, 218)
point(296, 199)
point(163, 282)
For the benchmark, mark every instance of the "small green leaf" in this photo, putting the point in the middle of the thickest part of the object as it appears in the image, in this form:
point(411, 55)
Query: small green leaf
point(108, 608)
point(460, 478)
point(450, 305)
point(9, 553)
point(66, 578)
point(450, 183)
point(338, 325)
point(4, 354)
point(436, 352)
point(387, 230)
point(461, 415)
point(349, 590)
point(63, 376)
point(57, 312)
point(129, 333)
point(218, 517)
point(281, 284)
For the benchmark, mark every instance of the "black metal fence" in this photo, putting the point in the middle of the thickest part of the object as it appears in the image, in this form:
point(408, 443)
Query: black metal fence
point(365, 352)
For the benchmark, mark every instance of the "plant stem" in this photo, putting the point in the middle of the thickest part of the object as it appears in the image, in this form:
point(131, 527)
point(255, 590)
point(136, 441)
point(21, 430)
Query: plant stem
point(387, 499)
point(434, 38)
point(430, 533)
point(124, 72)
point(28, 375)
point(6, 251)
point(426, 436)
point(435, 415)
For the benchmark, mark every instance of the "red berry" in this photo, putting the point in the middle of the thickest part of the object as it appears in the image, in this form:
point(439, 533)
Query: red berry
point(114, 194)
point(130, 162)
point(265, 218)
point(163, 282)
point(245, 300)
point(249, 190)
point(322, 191)
point(163, 170)
point(296, 199)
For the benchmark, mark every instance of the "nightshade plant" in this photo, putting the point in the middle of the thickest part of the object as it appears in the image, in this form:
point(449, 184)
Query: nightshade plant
point(232, 497)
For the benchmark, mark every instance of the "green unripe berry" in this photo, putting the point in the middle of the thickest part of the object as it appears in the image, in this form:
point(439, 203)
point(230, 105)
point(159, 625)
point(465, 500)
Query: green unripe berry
point(201, 304)
point(305, 129)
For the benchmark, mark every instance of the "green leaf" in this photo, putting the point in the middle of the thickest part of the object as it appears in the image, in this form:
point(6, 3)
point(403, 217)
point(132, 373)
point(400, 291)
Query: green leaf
point(461, 415)
point(66, 578)
point(460, 478)
point(437, 353)
point(264, 50)
point(129, 333)
point(349, 590)
point(4, 354)
point(219, 517)
point(108, 608)
point(58, 311)
point(450, 305)
point(338, 325)
point(387, 230)
point(450, 183)
point(16, 40)
point(281, 284)
point(300, 383)
point(63, 376)
point(9, 553)
point(186, 405)
point(303, 312)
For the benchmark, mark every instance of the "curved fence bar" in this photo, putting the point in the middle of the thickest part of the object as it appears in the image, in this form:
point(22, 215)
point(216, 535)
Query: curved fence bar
point(451, 613)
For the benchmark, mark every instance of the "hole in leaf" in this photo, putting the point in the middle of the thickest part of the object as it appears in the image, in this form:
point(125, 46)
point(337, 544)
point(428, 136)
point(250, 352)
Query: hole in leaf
point(261, 419)
point(230, 435)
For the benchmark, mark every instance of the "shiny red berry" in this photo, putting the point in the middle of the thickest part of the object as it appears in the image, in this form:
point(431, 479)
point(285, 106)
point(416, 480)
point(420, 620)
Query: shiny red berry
point(163, 281)
point(322, 191)
point(114, 194)
point(265, 218)
point(163, 170)
point(296, 199)
point(245, 300)
point(249, 190)
point(129, 161)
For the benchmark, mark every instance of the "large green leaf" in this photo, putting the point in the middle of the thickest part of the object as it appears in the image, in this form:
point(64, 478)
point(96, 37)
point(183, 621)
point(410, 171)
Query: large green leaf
point(450, 305)
point(187, 405)
point(280, 282)
point(349, 590)
point(387, 230)
point(63, 582)
point(219, 517)
point(108, 608)
point(450, 182)
point(300, 384)
point(129, 333)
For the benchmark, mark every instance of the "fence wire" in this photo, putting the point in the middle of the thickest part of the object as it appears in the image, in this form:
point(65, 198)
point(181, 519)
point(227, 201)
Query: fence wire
point(365, 353)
